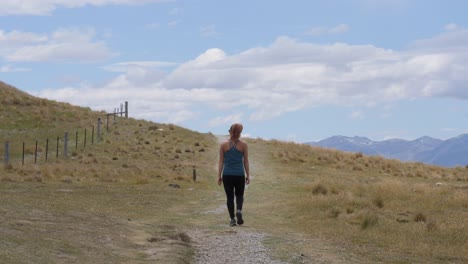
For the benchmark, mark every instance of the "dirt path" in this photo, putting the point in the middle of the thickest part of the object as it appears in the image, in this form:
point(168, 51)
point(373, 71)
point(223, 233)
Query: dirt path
point(245, 244)
point(232, 246)
point(237, 244)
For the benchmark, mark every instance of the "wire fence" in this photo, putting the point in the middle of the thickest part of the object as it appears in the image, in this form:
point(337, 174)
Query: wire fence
point(48, 148)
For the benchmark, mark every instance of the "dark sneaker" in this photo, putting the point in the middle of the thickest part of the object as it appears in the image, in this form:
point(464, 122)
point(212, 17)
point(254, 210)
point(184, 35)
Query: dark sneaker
point(240, 220)
point(233, 222)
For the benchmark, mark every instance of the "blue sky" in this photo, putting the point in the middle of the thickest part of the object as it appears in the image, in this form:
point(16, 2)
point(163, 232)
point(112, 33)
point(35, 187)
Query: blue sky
point(289, 70)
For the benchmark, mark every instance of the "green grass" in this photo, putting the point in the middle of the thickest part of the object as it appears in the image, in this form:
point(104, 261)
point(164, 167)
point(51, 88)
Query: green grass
point(111, 202)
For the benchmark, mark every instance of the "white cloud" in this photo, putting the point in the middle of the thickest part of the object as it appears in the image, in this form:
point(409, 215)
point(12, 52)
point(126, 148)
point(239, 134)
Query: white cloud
point(9, 68)
point(208, 31)
point(19, 38)
point(321, 30)
point(289, 75)
point(125, 66)
point(340, 29)
point(153, 26)
point(451, 26)
point(222, 120)
point(357, 115)
point(175, 11)
point(174, 23)
point(46, 7)
point(62, 45)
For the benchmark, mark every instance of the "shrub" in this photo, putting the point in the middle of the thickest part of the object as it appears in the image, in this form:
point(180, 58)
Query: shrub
point(431, 226)
point(378, 201)
point(319, 189)
point(420, 218)
point(369, 220)
point(334, 212)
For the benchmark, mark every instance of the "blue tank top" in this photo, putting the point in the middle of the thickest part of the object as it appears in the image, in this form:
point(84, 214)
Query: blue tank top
point(233, 161)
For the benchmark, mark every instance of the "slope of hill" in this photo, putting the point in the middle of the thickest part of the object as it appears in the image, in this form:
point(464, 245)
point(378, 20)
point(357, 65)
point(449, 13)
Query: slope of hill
point(19, 110)
point(451, 152)
point(131, 199)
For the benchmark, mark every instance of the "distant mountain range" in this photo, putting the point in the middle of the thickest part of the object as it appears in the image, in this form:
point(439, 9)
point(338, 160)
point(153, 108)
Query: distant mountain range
point(448, 153)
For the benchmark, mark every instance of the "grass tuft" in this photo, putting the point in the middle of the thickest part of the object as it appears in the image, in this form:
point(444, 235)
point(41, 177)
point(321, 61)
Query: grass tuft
point(420, 218)
point(378, 201)
point(369, 219)
point(320, 189)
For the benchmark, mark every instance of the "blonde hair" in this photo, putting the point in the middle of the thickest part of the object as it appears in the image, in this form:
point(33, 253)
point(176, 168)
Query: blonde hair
point(235, 131)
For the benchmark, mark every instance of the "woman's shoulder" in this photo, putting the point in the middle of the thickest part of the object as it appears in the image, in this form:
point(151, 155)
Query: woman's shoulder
point(224, 144)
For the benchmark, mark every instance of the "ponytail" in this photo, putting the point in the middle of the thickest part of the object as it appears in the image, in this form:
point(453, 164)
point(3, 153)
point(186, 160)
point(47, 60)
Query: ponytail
point(235, 131)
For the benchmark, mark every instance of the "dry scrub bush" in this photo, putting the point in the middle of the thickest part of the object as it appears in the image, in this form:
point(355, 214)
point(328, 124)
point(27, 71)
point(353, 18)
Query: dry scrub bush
point(420, 218)
point(378, 201)
point(319, 189)
point(368, 219)
point(334, 212)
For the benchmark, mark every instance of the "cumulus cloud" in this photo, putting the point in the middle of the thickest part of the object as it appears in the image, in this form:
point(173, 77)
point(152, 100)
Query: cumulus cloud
point(289, 75)
point(46, 7)
point(62, 45)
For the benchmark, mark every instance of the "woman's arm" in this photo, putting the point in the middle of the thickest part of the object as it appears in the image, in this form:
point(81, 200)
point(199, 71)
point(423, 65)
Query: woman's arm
point(220, 164)
point(246, 164)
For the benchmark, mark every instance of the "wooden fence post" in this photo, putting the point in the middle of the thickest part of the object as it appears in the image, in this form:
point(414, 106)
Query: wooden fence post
point(84, 144)
point(126, 109)
point(107, 122)
point(56, 153)
point(99, 129)
point(22, 160)
point(194, 175)
point(47, 149)
point(35, 154)
point(7, 152)
point(65, 145)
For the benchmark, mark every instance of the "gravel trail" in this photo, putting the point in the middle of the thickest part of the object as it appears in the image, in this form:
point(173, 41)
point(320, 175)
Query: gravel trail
point(232, 246)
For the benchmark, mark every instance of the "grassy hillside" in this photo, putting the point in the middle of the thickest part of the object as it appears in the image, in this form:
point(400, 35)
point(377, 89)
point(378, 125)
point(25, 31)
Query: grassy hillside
point(119, 201)
point(20, 111)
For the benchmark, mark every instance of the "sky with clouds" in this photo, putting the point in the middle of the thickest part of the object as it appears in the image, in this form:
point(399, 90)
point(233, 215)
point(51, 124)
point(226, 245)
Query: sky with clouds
point(298, 70)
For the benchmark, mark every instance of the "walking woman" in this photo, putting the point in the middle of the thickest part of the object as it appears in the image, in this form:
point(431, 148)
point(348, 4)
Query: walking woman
point(233, 172)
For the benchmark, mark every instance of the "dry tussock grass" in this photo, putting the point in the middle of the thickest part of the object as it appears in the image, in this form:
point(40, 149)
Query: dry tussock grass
point(379, 201)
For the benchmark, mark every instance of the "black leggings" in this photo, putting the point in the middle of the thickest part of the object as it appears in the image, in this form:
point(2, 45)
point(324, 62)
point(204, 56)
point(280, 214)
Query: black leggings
point(234, 185)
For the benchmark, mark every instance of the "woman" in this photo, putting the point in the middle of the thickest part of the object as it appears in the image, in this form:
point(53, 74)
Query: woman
point(233, 171)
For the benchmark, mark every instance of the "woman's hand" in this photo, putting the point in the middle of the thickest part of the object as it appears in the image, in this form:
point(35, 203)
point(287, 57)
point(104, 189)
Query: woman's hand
point(220, 180)
point(247, 180)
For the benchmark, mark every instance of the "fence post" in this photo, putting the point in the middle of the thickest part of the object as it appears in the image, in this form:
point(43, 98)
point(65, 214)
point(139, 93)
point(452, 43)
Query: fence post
point(46, 149)
point(126, 109)
point(121, 110)
point(35, 154)
point(107, 123)
point(99, 129)
point(65, 145)
point(92, 137)
point(84, 144)
point(7, 152)
point(56, 153)
point(22, 160)
point(194, 175)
